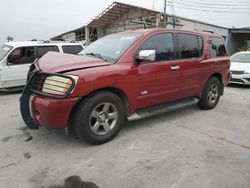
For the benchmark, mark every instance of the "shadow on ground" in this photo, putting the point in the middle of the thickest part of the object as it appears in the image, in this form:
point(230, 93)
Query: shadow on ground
point(239, 86)
point(75, 182)
point(2, 93)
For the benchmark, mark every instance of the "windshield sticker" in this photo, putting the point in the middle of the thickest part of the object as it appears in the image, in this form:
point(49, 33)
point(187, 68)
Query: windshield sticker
point(6, 49)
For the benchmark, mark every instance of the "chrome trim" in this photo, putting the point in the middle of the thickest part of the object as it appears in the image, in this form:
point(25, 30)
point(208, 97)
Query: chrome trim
point(176, 67)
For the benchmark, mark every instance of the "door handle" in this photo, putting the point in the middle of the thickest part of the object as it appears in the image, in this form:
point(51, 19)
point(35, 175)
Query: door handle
point(175, 67)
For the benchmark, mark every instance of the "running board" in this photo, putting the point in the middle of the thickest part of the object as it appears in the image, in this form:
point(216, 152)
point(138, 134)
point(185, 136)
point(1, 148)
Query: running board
point(162, 108)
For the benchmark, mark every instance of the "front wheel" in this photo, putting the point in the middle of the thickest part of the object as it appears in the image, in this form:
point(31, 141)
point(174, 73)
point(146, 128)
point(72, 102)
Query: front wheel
point(99, 118)
point(211, 94)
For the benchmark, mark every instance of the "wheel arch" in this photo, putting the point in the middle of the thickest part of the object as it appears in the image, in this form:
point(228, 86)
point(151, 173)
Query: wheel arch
point(219, 77)
point(121, 94)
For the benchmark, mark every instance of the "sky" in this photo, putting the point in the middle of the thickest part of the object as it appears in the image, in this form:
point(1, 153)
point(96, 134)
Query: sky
point(34, 19)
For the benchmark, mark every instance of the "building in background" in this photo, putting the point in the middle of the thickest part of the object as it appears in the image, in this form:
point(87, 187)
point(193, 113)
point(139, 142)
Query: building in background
point(121, 17)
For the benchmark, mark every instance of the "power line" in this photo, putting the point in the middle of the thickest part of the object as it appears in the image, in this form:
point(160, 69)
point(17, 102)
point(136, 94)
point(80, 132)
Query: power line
point(214, 5)
point(215, 2)
point(190, 7)
point(206, 6)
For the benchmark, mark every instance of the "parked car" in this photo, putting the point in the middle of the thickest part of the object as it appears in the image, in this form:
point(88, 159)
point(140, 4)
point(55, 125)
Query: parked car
point(240, 68)
point(16, 57)
point(130, 75)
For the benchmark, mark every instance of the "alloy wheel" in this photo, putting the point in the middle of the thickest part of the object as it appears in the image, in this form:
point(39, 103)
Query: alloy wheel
point(103, 118)
point(213, 93)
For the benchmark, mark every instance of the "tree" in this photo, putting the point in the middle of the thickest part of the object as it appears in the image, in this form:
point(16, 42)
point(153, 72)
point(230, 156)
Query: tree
point(9, 39)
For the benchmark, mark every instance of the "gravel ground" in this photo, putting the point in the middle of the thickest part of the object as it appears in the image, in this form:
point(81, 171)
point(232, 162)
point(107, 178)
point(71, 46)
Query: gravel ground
point(189, 148)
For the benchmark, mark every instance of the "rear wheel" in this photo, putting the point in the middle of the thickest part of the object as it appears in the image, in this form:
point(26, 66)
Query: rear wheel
point(99, 118)
point(211, 94)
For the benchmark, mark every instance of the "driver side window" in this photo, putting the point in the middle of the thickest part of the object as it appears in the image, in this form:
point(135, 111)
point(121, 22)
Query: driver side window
point(163, 46)
point(22, 55)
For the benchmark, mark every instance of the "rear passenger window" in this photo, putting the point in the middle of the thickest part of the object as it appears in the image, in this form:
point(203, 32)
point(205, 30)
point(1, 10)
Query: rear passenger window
point(188, 46)
point(216, 47)
point(72, 49)
point(41, 50)
point(162, 44)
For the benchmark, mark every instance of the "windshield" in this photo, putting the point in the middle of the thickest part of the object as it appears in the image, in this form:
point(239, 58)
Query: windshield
point(240, 58)
point(4, 50)
point(111, 47)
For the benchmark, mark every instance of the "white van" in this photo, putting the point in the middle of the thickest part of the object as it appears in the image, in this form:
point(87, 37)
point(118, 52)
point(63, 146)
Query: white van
point(16, 57)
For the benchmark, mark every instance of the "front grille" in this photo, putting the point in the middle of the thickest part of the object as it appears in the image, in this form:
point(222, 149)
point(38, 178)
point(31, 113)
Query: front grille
point(237, 80)
point(38, 84)
point(237, 72)
point(40, 87)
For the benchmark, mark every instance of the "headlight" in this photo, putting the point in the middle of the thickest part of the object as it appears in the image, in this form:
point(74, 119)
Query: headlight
point(247, 72)
point(58, 85)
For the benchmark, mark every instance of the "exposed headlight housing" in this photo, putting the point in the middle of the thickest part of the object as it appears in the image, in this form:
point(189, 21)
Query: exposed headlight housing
point(58, 85)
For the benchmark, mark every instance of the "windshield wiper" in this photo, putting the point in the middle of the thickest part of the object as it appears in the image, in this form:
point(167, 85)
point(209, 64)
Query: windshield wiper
point(97, 55)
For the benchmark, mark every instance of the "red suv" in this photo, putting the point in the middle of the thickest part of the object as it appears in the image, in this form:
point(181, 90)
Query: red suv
point(125, 76)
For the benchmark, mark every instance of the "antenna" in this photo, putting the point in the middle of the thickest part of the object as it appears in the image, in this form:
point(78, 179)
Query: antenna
point(153, 7)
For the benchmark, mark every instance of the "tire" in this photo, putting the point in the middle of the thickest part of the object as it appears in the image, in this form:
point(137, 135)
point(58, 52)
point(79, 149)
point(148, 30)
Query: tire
point(211, 94)
point(99, 117)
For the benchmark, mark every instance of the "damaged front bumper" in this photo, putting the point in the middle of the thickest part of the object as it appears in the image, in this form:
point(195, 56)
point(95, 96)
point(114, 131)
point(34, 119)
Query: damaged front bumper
point(25, 103)
point(42, 109)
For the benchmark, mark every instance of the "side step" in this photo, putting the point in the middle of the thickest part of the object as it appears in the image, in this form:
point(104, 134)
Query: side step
point(162, 108)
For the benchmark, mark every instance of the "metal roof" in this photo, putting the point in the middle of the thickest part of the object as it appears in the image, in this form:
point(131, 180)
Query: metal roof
point(240, 30)
point(115, 11)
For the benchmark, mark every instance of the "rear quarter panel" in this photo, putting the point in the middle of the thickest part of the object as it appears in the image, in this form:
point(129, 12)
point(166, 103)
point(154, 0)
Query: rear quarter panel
point(214, 65)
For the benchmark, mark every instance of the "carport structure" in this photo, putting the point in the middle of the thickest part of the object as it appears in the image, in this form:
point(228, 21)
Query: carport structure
point(115, 18)
point(121, 17)
point(236, 38)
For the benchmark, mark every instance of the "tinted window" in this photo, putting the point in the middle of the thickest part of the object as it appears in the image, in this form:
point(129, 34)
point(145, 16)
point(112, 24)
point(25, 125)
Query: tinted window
point(22, 55)
point(72, 49)
point(188, 46)
point(41, 50)
point(216, 47)
point(162, 44)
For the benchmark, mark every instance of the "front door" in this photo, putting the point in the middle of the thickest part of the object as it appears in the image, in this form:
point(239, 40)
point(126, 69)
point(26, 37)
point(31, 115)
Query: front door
point(158, 81)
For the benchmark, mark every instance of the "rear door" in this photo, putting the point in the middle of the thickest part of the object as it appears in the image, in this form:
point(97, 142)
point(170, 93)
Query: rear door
point(190, 52)
point(158, 82)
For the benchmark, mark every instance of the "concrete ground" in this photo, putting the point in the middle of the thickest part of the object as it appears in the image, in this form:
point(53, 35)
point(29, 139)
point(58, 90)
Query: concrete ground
point(189, 148)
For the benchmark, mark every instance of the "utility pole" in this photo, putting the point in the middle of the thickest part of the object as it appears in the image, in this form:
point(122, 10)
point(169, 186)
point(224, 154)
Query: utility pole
point(165, 14)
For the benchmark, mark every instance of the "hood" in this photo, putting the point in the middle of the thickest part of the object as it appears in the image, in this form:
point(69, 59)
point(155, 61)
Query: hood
point(57, 62)
point(237, 66)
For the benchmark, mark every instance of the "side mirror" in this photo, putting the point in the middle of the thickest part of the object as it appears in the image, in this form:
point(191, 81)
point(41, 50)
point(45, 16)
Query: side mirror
point(146, 55)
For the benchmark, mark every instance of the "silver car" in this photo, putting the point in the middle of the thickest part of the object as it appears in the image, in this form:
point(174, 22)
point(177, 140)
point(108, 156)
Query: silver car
point(240, 68)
